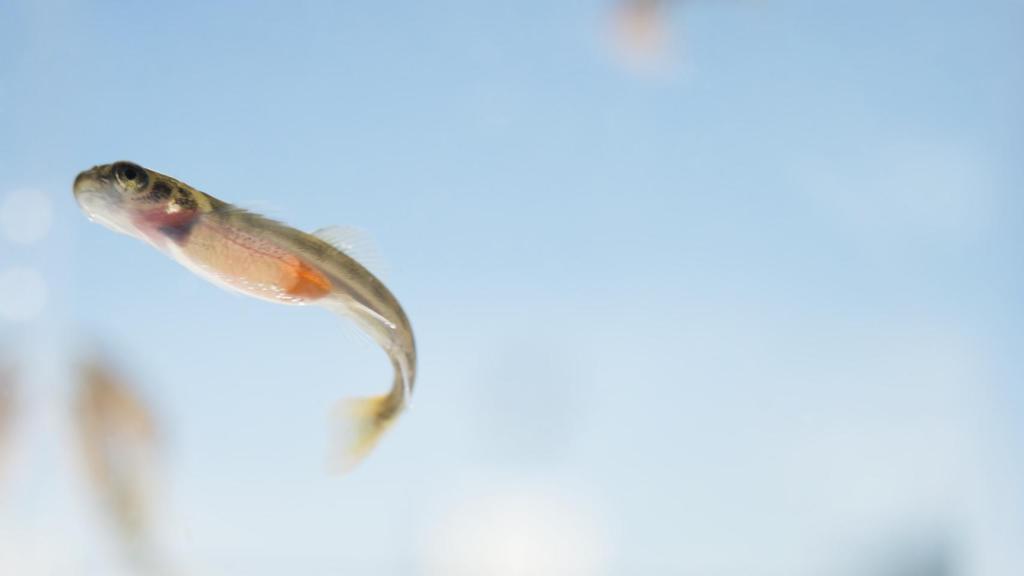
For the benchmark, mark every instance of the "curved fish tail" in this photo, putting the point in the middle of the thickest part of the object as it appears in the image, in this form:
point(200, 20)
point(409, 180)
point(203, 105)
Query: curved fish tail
point(359, 423)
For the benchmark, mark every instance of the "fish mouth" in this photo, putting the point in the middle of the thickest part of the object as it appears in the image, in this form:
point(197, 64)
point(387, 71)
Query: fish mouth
point(99, 200)
point(89, 182)
point(84, 180)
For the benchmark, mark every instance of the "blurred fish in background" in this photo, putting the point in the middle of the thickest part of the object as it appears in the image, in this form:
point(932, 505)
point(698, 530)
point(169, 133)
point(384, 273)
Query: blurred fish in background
point(640, 33)
point(120, 445)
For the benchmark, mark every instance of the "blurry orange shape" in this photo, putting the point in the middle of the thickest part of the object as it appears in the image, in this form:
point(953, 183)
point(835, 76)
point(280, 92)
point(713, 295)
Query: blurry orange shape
point(119, 443)
point(640, 35)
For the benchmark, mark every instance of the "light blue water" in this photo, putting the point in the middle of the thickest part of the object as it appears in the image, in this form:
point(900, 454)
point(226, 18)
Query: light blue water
point(759, 314)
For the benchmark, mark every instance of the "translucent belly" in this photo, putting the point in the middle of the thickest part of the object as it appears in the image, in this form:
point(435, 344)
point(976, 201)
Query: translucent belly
point(254, 265)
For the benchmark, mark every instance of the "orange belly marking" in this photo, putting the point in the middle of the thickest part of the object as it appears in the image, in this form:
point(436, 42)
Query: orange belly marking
point(309, 283)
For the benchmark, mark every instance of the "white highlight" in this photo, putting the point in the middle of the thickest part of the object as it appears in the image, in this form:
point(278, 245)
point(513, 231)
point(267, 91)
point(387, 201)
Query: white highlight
point(26, 216)
point(22, 294)
point(526, 530)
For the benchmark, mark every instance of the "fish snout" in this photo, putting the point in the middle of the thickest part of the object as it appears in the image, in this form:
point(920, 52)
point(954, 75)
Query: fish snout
point(99, 199)
point(85, 181)
point(91, 187)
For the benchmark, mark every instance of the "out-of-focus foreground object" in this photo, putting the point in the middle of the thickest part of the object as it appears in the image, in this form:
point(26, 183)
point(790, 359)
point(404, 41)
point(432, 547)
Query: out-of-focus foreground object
point(6, 411)
point(119, 442)
point(921, 551)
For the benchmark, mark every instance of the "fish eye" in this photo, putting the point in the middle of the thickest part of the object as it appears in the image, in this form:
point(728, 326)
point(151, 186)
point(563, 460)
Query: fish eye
point(130, 175)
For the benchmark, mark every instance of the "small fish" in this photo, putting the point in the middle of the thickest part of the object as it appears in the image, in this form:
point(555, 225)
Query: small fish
point(247, 253)
point(119, 443)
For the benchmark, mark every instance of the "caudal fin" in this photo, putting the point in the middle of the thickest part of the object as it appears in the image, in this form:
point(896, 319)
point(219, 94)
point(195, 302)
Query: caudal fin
point(359, 424)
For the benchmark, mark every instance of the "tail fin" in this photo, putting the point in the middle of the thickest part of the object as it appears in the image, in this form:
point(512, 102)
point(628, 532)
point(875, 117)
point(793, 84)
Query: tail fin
point(359, 423)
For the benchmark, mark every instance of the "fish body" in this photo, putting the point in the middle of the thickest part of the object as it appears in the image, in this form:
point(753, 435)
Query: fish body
point(259, 257)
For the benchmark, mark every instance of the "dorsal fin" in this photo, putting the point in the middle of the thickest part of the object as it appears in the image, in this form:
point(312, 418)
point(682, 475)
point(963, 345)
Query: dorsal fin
point(354, 242)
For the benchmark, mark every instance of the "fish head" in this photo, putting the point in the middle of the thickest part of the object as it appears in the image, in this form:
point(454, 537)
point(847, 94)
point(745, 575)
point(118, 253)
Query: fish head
point(111, 194)
point(128, 198)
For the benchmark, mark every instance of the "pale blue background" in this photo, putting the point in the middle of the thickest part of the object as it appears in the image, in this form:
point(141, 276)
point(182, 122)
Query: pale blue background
point(757, 313)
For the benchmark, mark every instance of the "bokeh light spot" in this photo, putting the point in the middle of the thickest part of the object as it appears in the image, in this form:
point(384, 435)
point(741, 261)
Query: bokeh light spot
point(25, 216)
point(522, 530)
point(22, 294)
